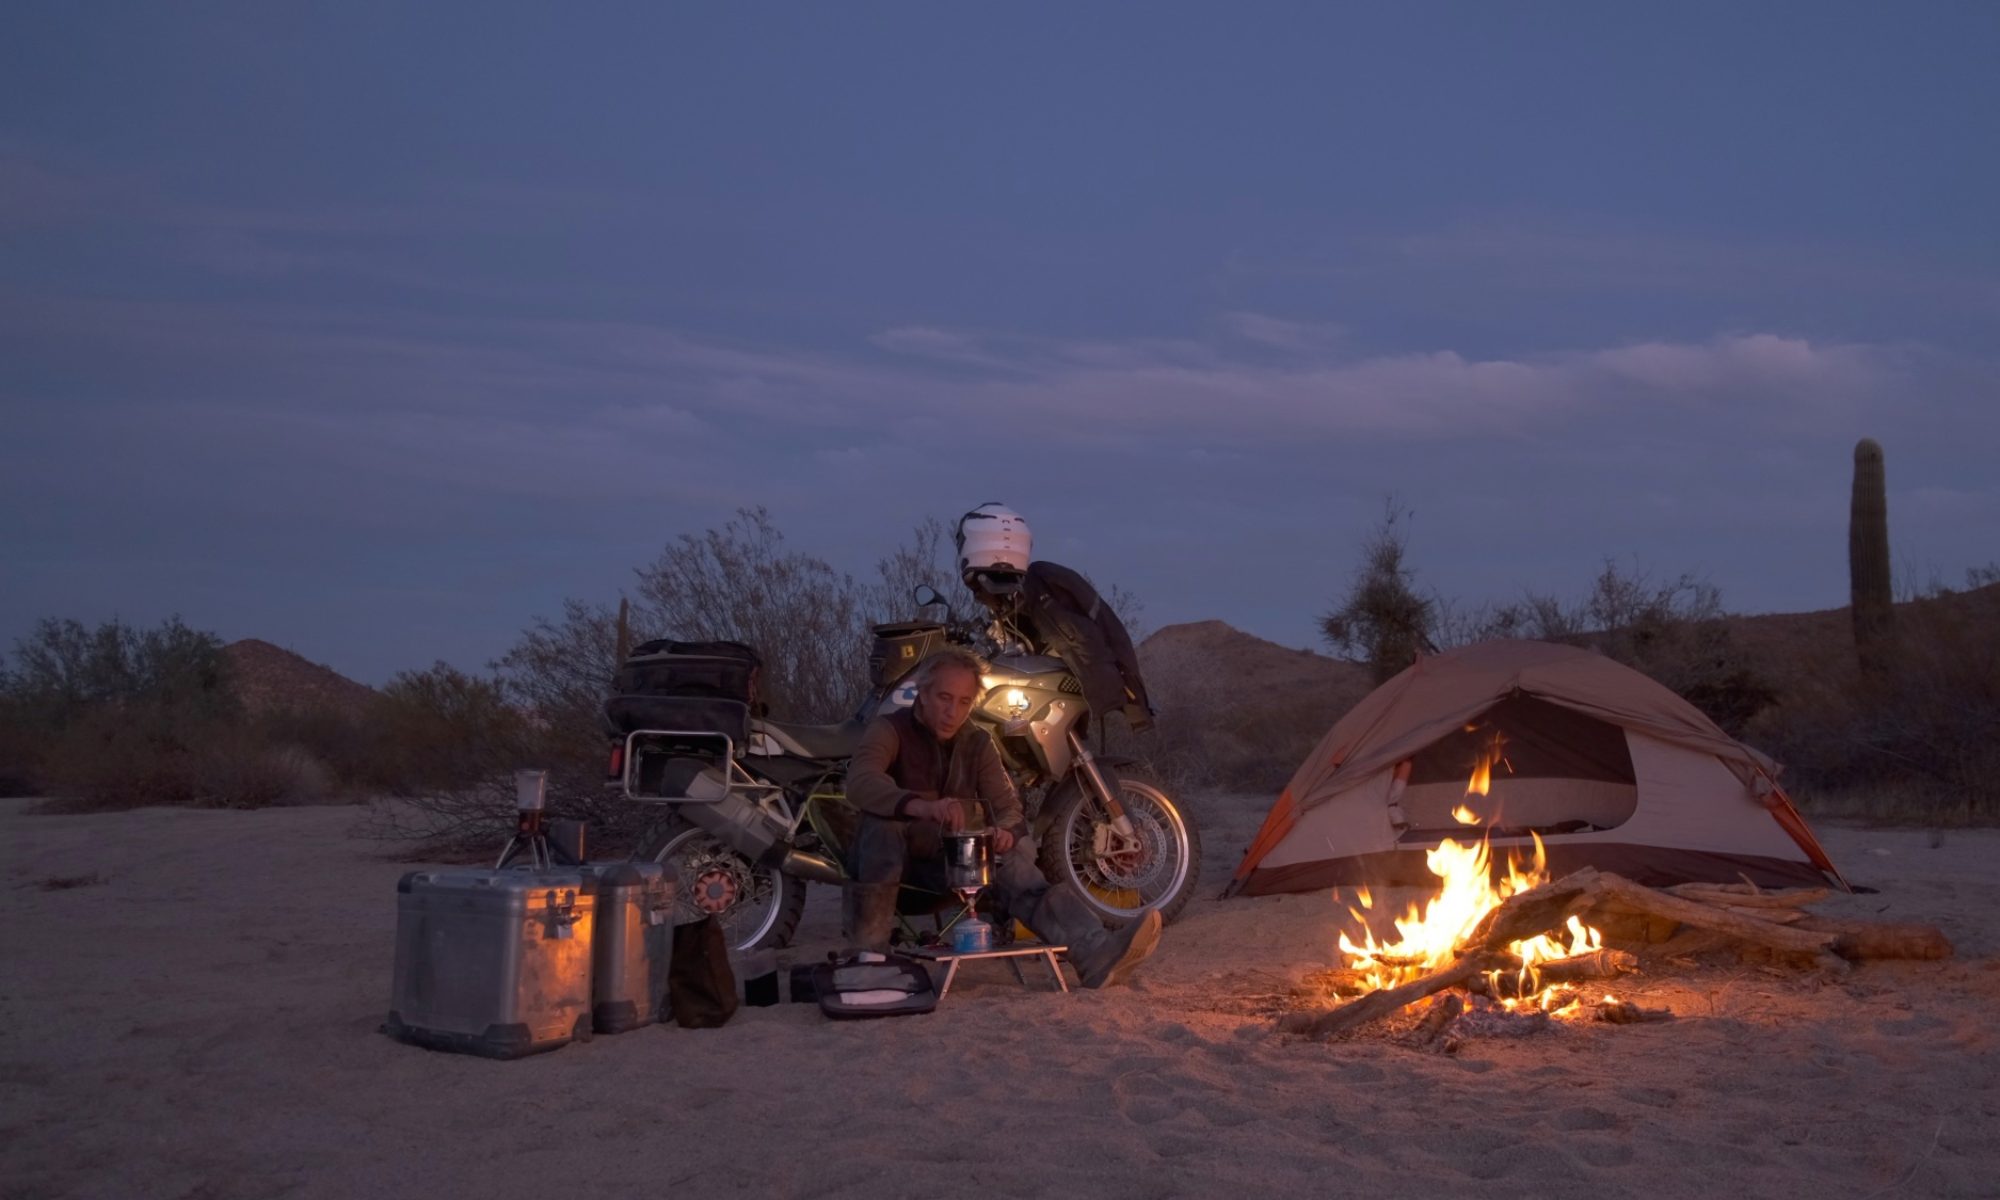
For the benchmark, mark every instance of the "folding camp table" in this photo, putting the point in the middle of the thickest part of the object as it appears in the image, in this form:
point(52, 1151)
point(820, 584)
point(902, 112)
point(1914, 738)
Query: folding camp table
point(1013, 953)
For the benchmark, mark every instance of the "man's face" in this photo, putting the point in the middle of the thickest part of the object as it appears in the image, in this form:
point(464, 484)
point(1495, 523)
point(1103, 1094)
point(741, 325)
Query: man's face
point(945, 701)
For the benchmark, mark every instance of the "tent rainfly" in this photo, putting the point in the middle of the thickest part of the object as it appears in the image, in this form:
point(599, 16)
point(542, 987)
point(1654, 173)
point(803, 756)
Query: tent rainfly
point(1508, 739)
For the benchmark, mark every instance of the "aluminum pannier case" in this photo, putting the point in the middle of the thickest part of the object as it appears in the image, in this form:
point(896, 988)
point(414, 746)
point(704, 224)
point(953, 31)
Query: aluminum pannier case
point(492, 962)
point(632, 945)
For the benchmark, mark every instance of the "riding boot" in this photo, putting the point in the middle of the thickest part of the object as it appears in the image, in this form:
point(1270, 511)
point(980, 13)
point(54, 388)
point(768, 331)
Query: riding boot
point(1103, 958)
point(870, 915)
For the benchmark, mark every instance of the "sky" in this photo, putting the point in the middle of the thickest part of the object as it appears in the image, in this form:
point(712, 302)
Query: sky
point(375, 331)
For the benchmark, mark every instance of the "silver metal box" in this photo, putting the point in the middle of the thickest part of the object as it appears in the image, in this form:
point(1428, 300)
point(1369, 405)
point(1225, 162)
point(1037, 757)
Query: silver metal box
point(492, 962)
point(632, 945)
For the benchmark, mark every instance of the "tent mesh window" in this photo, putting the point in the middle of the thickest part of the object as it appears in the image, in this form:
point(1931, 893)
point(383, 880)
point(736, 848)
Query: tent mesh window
point(1552, 770)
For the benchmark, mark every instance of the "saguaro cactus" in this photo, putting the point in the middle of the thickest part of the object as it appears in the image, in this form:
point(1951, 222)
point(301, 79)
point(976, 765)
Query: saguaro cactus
point(1868, 558)
point(623, 650)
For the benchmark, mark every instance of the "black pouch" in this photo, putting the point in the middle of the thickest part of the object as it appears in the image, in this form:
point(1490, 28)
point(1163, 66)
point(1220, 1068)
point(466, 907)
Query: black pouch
point(873, 985)
point(701, 988)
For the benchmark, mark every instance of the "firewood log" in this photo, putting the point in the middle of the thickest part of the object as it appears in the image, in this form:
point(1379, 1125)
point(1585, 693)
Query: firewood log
point(1737, 895)
point(1708, 916)
point(1442, 1012)
point(1857, 940)
point(1508, 984)
point(1621, 1012)
point(1356, 1013)
point(1776, 916)
point(1536, 911)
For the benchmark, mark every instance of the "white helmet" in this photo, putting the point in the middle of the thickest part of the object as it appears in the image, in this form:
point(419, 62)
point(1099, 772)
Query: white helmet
point(994, 545)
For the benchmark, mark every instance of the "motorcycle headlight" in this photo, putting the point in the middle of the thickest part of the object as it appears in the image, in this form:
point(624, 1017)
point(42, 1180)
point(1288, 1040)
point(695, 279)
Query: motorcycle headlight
point(1009, 703)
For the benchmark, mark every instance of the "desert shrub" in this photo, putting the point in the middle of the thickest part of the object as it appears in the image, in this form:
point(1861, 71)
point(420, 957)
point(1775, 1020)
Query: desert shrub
point(440, 728)
point(1675, 631)
point(1383, 620)
point(1919, 739)
point(119, 713)
point(454, 742)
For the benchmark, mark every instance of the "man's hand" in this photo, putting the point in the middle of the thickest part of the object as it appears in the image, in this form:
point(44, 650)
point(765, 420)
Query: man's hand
point(1002, 841)
point(947, 813)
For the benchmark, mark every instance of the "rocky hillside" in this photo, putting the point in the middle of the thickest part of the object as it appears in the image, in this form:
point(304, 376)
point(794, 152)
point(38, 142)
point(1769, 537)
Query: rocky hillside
point(1236, 710)
point(270, 678)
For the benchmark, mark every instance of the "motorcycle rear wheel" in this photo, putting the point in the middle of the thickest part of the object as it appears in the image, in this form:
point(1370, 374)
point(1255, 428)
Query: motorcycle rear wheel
point(1157, 868)
point(759, 907)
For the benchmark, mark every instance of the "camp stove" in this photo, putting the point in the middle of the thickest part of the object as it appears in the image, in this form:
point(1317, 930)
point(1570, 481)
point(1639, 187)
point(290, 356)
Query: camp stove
point(968, 871)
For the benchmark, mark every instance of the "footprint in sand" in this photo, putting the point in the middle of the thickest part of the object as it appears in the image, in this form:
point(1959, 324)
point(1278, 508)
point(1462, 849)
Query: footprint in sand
point(1582, 1118)
point(1601, 1153)
point(1653, 1097)
point(1145, 1098)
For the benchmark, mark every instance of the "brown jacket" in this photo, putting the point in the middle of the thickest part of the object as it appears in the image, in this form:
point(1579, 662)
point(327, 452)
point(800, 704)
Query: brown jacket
point(900, 759)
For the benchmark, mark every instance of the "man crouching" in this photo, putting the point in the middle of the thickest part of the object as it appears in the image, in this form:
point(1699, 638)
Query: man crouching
point(922, 771)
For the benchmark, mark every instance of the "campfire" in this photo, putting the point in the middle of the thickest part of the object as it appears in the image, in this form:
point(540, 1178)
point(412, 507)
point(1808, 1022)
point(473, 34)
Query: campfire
point(1534, 972)
point(1508, 950)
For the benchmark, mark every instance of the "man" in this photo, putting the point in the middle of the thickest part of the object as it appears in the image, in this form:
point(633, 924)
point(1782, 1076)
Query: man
point(924, 770)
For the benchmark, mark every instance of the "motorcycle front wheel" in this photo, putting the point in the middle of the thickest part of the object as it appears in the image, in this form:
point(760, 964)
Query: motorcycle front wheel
point(759, 907)
point(1122, 875)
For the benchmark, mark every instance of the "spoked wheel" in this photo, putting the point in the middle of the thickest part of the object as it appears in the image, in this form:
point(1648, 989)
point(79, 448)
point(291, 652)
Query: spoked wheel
point(759, 907)
point(1122, 873)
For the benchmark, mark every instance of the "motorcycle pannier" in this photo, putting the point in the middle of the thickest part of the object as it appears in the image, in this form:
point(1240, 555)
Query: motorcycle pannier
point(489, 962)
point(631, 944)
point(899, 648)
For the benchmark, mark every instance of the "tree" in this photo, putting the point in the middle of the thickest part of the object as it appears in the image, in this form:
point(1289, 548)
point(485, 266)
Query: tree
point(1383, 618)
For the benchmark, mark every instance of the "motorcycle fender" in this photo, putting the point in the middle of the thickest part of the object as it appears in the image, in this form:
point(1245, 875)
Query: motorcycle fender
point(1071, 785)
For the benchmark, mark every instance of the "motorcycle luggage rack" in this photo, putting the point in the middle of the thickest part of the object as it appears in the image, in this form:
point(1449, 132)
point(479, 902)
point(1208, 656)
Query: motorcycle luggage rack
point(736, 781)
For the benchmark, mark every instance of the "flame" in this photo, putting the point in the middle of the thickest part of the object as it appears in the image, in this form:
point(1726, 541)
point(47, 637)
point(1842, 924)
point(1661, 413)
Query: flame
point(1464, 815)
point(1427, 937)
point(1482, 767)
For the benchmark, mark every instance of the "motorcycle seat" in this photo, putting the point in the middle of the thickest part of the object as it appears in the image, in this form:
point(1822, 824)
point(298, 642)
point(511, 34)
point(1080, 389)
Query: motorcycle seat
point(815, 741)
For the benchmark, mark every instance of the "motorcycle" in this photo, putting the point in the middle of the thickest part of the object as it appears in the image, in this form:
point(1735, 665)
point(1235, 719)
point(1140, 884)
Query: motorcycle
point(756, 808)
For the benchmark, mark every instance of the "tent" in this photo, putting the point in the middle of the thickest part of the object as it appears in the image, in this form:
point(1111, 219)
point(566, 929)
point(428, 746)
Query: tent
point(1607, 767)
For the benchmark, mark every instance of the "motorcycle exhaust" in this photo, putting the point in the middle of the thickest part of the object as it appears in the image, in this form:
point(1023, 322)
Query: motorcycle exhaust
point(734, 821)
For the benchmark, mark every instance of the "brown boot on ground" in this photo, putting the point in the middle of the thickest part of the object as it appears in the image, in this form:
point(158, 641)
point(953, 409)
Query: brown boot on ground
point(1112, 961)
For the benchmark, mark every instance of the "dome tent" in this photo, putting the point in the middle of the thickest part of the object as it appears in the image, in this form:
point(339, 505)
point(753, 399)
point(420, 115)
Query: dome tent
point(1609, 768)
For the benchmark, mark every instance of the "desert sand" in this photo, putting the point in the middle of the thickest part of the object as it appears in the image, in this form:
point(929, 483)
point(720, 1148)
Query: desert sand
point(201, 1021)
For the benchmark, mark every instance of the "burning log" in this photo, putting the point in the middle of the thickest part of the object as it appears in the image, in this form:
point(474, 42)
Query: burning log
point(1535, 911)
point(1443, 1011)
point(1510, 983)
point(1356, 1013)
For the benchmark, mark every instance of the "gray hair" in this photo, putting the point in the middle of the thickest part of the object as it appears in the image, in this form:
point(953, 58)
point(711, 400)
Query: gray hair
point(944, 659)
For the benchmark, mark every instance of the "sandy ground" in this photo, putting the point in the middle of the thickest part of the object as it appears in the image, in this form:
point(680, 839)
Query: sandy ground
point(202, 1022)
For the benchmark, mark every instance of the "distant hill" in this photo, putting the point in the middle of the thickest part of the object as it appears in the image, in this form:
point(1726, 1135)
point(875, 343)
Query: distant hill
point(1243, 712)
point(1237, 710)
point(1211, 659)
point(1792, 648)
point(270, 678)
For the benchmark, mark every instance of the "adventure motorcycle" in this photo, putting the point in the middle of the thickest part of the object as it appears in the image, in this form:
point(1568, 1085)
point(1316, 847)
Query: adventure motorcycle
point(756, 808)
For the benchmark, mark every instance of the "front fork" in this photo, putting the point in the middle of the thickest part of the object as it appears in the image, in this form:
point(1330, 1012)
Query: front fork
point(1106, 794)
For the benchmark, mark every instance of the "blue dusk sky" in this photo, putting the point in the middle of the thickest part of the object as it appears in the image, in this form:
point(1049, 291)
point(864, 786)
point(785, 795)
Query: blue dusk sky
point(377, 330)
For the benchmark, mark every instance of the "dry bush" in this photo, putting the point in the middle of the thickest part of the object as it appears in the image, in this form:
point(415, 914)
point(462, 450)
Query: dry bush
point(114, 716)
point(1384, 619)
point(1674, 631)
point(109, 759)
point(1921, 741)
point(238, 769)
